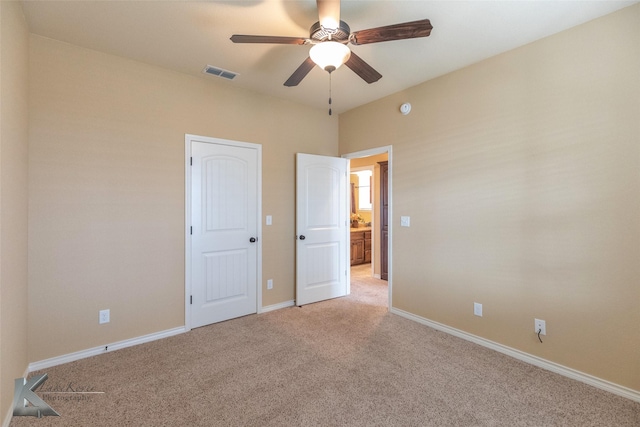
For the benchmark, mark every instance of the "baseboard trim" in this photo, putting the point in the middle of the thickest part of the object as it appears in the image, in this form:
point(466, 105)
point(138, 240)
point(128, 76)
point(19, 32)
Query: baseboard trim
point(71, 357)
point(278, 306)
point(526, 357)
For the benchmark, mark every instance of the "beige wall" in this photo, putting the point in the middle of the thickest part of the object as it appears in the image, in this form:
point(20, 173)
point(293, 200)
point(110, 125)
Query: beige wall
point(521, 175)
point(14, 50)
point(107, 184)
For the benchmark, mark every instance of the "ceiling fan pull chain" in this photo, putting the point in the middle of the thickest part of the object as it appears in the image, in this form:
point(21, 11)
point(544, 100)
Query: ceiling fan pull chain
point(329, 93)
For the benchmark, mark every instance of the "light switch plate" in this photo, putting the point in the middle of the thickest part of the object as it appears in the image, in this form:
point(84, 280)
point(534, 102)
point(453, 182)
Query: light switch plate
point(477, 309)
point(269, 220)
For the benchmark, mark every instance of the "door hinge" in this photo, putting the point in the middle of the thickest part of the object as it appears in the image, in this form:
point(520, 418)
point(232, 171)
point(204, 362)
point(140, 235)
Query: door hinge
point(190, 161)
point(191, 230)
point(190, 299)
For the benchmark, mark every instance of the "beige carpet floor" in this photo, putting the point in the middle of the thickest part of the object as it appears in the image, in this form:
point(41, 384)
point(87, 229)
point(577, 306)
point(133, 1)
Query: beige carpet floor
point(343, 362)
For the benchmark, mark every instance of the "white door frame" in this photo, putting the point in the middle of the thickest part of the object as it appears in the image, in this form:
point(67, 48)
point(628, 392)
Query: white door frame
point(374, 152)
point(188, 138)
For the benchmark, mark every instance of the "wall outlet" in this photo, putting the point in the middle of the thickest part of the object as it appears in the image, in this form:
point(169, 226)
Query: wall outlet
point(541, 326)
point(477, 309)
point(104, 316)
point(270, 284)
point(405, 221)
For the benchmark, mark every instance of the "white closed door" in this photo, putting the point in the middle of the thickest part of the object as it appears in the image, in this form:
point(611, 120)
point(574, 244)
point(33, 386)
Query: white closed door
point(224, 221)
point(321, 228)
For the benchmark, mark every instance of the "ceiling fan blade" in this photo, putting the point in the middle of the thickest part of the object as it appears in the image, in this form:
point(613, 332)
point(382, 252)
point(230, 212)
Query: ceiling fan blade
point(329, 13)
point(406, 30)
point(361, 68)
point(300, 73)
point(242, 38)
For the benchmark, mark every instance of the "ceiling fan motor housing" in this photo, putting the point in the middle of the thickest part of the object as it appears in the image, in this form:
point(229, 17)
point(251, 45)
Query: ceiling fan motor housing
point(321, 34)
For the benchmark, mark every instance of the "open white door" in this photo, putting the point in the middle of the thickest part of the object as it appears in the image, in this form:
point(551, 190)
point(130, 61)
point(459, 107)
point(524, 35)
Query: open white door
point(322, 271)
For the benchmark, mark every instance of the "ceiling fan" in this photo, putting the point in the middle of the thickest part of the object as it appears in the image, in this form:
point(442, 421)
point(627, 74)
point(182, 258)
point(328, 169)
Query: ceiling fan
point(329, 38)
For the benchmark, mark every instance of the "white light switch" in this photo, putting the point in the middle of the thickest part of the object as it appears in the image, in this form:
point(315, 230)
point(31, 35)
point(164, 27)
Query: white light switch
point(477, 309)
point(268, 221)
point(405, 221)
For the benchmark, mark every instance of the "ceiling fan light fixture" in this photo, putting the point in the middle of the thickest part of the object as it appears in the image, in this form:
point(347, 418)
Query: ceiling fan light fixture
point(329, 55)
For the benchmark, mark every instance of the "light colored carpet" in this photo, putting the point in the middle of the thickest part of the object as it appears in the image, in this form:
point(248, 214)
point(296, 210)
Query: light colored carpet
point(343, 362)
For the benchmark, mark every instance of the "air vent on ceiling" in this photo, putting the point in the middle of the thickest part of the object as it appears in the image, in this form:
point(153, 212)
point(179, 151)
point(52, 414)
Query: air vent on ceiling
point(219, 72)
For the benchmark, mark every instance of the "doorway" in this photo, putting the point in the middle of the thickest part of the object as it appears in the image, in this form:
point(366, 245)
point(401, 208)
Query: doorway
point(368, 236)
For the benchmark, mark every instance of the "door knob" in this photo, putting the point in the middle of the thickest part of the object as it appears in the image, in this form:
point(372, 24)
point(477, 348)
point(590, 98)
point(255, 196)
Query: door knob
point(252, 240)
point(302, 237)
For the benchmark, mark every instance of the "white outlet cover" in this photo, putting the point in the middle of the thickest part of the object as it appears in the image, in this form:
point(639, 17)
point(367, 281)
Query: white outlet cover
point(405, 221)
point(104, 316)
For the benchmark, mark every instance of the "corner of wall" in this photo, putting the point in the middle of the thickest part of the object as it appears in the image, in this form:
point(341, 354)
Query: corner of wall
point(14, 53)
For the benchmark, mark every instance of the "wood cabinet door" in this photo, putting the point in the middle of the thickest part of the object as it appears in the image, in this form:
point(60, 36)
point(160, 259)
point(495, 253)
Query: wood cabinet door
point(357, 248)
point(367, 246)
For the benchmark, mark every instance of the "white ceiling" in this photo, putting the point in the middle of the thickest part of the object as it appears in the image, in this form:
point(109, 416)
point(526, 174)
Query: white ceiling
point(187, 35)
